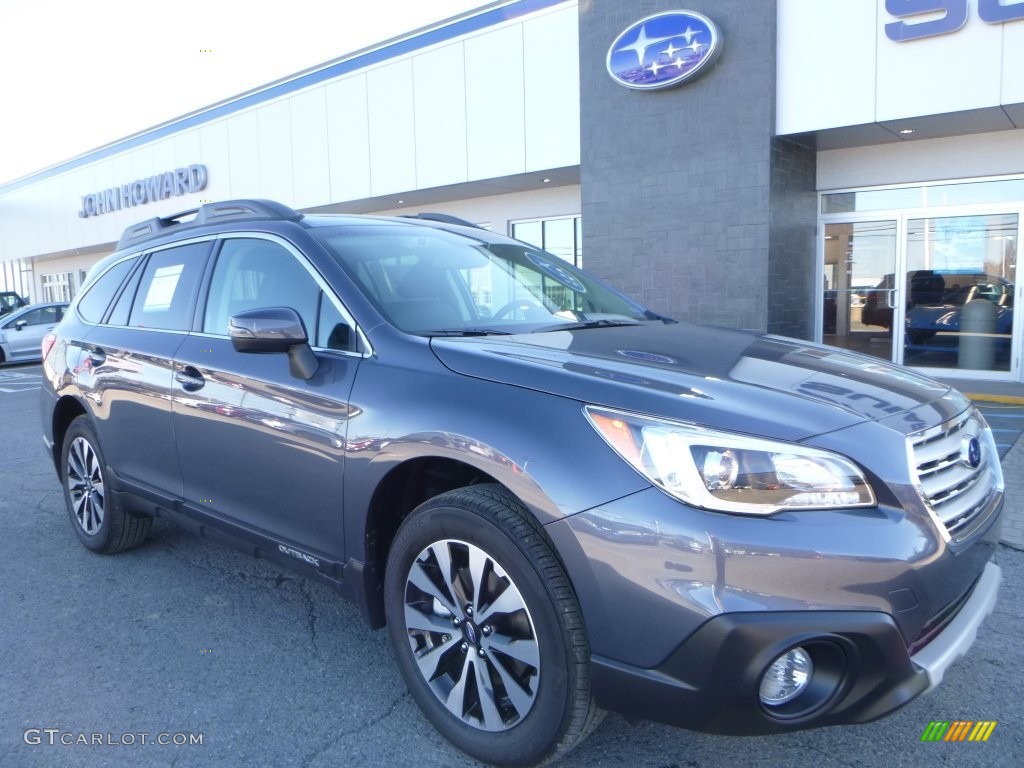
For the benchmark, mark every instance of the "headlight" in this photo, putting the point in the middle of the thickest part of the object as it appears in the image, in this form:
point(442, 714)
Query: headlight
point(728, 472)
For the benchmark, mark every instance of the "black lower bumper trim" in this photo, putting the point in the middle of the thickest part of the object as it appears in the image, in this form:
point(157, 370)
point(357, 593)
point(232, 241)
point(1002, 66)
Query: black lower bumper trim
point(711, 682)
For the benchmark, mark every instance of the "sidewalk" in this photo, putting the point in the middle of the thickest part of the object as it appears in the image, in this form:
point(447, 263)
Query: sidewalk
point(1013, 516)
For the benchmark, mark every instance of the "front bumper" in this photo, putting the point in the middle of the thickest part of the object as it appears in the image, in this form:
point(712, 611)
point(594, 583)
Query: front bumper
point(863, 669)
point(958, 636)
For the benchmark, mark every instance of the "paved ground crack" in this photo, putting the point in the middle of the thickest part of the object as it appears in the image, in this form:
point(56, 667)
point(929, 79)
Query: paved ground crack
point(335, 738)
point(312, 616)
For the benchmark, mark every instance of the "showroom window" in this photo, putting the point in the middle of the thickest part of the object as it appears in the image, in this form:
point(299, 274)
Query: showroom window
point(925, 275)
point(16, 275)
point(57, 286)
point(562, 236)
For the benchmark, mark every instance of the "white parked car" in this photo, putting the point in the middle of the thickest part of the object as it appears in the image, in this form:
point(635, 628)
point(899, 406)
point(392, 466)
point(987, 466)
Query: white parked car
point(22, 331)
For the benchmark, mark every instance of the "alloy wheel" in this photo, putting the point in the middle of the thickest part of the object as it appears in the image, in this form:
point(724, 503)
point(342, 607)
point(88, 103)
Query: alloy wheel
point(472, 635)
point(85, 485)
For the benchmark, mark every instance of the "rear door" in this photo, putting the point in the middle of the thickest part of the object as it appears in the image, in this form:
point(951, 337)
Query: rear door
point(258, 446)
point(126, 372)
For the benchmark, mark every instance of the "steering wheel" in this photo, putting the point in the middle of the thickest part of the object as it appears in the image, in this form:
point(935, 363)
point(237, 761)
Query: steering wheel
point(524, 306)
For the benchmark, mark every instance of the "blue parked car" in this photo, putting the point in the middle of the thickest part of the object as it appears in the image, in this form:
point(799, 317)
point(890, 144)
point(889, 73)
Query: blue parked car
point(937, 326)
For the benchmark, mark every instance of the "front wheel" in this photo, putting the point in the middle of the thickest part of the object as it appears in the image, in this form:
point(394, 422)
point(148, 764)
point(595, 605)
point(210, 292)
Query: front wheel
point(487, 629)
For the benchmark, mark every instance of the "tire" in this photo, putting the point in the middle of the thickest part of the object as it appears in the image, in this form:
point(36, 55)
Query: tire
point(504, 621)
point(97, 516)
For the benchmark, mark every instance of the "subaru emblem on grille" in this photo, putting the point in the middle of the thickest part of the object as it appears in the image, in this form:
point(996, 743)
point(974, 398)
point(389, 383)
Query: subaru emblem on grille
point(970, 452)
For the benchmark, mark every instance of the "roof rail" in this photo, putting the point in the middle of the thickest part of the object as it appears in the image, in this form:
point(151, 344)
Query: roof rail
point(210, 213)
point(443, 218)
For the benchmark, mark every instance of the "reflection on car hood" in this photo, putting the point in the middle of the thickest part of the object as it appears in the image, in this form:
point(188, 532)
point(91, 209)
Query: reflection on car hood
point(763, 385)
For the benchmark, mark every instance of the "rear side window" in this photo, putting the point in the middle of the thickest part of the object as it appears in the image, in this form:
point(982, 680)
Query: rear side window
point(167, 291)
point(94, 303)
point(123, 304)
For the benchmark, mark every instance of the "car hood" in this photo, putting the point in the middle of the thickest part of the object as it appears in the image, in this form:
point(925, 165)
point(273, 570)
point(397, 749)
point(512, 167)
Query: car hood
point(721, 378)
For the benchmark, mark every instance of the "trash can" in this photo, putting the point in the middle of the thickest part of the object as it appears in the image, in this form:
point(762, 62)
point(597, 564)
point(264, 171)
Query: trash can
point(977, 335)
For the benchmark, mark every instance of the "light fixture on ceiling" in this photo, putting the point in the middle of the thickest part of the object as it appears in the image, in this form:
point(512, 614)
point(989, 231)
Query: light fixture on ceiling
point(906, 131)
point(401, 201)
point(545, 180)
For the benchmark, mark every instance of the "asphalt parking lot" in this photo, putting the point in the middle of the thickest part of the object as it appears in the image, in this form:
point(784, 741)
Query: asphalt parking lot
point(183, 638)
point(1006, 421)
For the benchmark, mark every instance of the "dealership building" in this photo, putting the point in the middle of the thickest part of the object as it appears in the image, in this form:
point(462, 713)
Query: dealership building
point(849, 171)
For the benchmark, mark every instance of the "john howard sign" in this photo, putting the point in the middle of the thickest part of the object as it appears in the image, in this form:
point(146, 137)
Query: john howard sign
point(174, 183)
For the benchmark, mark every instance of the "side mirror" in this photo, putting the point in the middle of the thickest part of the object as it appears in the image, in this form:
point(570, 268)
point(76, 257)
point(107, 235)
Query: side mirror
point(20, 324)
point(274, 330)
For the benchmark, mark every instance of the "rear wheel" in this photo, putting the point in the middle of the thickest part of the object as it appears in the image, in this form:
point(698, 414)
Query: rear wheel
point(487, 629)
point(98, 518)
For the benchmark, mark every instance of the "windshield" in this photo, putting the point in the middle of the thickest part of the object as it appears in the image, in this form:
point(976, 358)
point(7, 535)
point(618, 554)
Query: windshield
point(998, 293)
point(432, 282)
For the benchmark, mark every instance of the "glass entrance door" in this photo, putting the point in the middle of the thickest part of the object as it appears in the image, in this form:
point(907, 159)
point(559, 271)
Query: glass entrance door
point(959, 286)
point(934, 293)
point(926, 275)
point(859, 310)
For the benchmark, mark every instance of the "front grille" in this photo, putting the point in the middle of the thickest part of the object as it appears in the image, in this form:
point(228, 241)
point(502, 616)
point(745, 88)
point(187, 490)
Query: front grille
point(956, 493)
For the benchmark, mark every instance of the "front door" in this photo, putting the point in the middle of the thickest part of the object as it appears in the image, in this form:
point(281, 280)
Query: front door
point(259, 446)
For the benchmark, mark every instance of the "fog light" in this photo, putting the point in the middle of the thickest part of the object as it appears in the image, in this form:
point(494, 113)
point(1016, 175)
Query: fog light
point(786, 678)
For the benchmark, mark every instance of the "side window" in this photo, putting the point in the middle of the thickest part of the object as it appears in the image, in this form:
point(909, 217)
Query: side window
point(123, 304)
point(95, 302)
point(332, 330)
point(167, 290)
point(35, 317)
point(254, 274)
point(41, 316)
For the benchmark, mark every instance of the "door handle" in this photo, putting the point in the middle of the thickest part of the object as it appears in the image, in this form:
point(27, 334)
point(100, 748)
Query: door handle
point(890, 298)
point(190, 378)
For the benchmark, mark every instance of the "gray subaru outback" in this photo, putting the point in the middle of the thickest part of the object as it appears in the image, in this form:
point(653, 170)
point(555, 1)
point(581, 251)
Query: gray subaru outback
point(559, 502)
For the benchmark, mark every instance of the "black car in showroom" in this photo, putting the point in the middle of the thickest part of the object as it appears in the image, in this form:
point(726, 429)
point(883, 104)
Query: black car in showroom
point(559, 502)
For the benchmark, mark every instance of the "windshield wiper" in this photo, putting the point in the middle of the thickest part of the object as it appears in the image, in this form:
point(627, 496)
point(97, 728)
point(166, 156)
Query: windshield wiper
point(466, 332)
point(663, 318)
point(587, 324)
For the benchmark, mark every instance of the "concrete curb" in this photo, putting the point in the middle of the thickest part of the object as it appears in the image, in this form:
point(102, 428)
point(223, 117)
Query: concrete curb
point(1005, 399)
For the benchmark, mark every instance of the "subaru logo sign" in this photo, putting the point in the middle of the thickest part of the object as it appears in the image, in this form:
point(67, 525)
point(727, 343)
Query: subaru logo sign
point(664, 50)
point(970, 452)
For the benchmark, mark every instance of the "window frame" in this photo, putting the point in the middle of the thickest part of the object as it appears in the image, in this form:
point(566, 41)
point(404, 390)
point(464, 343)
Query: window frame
point(90, 285)
point(364, 348)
